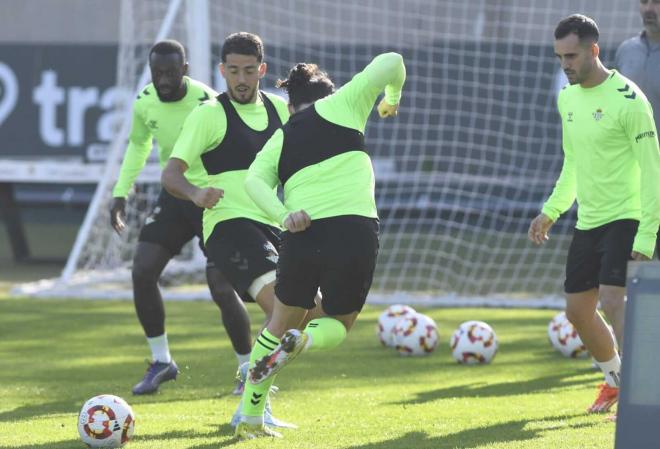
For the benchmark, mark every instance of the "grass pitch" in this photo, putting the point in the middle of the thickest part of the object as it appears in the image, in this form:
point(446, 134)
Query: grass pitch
point(56, 354)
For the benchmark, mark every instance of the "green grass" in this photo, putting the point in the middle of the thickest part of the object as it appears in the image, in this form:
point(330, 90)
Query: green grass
point(56, 354)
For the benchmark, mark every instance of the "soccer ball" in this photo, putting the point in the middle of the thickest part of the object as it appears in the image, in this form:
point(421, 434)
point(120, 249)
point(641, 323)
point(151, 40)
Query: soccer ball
point(388, 319)
point(415, 334)
point(569, 342)
point(474, 342)
point(553, 329)
point(106, 421)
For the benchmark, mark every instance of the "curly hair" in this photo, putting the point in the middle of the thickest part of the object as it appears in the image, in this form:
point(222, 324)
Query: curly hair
point(306, 83)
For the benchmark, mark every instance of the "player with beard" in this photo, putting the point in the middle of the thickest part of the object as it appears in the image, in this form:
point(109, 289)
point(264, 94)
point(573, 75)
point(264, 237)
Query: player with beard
point(158, 113)
point(225, 134)
point(612, 167)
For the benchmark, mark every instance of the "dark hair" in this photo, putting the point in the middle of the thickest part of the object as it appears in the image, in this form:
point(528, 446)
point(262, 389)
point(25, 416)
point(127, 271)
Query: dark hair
point(306, 84)
point(168, 47)
point(243, 43)
point(584, 27)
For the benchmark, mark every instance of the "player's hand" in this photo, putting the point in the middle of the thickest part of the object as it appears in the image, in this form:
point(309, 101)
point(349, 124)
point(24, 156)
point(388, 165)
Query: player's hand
point(639, 256)
point(208, 197)
point(297, 221)
point(387, 110)
point(118, 214)
point(538, 229)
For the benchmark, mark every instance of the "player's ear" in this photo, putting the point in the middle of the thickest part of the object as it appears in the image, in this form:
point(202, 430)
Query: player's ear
point(185, 68)
point(262, 69)
point(221, 66)
point(595, 50)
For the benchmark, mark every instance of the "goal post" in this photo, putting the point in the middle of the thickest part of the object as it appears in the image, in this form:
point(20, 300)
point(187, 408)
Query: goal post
point(460, 172)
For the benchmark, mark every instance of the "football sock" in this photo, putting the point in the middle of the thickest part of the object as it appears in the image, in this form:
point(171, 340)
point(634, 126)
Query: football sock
point(254, 396)
point(242, 358)
point(160, 350)
point(324, 333)
point(612, 370)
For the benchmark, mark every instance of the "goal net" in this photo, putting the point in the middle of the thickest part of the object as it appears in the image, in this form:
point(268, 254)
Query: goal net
point(460, 172)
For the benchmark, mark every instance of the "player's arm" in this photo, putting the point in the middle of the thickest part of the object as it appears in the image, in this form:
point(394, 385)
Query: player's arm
point(387, 73)
point(175, 182)
point(261, 183)
point(137, 153)
point(561, 199)
point(640, 129)
point(196, 136)
point(352, 104)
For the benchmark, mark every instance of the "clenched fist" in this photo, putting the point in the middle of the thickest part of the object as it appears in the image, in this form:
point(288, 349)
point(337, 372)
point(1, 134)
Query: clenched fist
point(208, 197)
point(387, 110)
point(297, 221)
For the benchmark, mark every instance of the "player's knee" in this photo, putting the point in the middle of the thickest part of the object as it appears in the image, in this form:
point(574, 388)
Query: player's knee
point(144, 274)
point(578, 316)
point(223, 294)
point(611, 301)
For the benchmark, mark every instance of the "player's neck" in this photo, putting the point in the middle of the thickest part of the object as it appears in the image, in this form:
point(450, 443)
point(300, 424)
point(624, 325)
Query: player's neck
point(303, 106)
point(183, 90)
point(598, 75)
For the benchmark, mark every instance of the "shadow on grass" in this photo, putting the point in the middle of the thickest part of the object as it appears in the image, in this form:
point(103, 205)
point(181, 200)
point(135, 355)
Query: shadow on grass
point(224, 431)
point(507, 432)
point(539, 384)
point(36, 411)
point(68, 444)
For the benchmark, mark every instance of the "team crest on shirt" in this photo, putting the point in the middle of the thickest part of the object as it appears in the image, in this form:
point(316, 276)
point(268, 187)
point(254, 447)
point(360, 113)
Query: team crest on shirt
point(598, 114)
point(153, 124)
point(570, 117)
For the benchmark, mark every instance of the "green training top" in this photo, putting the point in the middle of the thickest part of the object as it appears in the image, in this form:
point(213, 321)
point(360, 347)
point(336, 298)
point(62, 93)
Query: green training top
point(203, 131)
point(611, 159)
point(155, 119)
point(342, 184)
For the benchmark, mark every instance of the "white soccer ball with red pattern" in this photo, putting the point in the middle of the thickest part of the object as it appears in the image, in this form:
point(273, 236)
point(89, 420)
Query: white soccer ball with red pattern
point(553, 329)
point(569, 342)
point(388, 319)
point(416, 334)
point(474, 342)
point(106, 421)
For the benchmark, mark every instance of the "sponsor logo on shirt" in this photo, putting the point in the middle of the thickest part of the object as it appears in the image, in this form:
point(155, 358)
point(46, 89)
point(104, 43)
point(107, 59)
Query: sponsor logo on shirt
point(153, 124)
point(639, 137)
point(570, 117)
point(598, 114)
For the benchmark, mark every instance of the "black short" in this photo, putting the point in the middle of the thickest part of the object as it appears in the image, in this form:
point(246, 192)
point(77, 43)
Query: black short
point(243, 250)
point(337, 255)
point(173, 223)
point(600, 256)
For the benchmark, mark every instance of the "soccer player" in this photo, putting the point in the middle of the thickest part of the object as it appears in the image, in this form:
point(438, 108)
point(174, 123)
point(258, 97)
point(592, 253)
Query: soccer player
point(224, 134)
point(329, 212)
point(612, 166)
point(158, 113)
point(638, 58)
